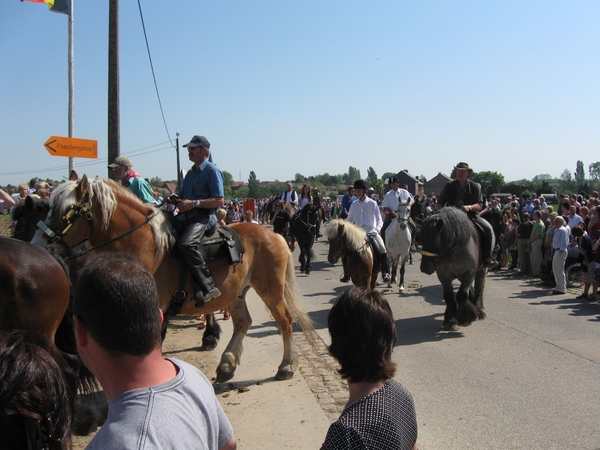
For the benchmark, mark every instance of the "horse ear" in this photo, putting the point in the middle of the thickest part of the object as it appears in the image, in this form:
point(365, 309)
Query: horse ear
point(82, 188)
point(73, 176)
point(29, 203)
point(439, 225)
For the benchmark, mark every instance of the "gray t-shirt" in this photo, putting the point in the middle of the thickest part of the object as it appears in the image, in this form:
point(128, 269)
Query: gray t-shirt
point(182, 413)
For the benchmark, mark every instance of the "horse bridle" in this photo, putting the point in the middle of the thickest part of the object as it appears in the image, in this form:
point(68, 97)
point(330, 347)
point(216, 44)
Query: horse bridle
point(307, 225)
point(72, 215)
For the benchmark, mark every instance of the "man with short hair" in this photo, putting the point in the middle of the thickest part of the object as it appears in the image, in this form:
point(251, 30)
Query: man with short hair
point(122, 169)
point(290, 196)
point(153, 402)
point(200, 196)
point(365, 213)
point(466, 195)
point(574, 218)
point(560, 242)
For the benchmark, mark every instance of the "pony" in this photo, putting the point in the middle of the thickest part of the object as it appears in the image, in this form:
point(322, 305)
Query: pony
point(304, 228)
point(451, 248)
point(397, 242)
point(25, 217)
point(350, 242)
point(114, 220)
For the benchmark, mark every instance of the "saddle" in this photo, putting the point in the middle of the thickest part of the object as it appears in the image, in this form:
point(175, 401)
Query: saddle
point(218, 242)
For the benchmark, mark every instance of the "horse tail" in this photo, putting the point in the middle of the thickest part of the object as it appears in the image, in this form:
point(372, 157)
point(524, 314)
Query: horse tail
point(291, 301)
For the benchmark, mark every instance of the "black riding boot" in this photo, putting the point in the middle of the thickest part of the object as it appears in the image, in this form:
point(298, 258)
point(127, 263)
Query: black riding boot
point(385, 269)
point(204, 286)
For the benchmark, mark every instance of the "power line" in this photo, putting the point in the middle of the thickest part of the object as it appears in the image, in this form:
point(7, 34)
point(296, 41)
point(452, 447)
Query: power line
point(153, 75)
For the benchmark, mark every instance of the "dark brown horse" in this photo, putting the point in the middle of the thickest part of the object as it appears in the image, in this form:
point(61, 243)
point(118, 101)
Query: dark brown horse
point(113, 219)
point(348, 241)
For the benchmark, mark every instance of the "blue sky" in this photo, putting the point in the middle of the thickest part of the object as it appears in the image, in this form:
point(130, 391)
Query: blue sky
point(285, 87)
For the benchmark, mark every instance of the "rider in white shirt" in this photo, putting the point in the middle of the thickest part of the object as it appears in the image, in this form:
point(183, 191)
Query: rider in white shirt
point(390, 203)
point(365, 213)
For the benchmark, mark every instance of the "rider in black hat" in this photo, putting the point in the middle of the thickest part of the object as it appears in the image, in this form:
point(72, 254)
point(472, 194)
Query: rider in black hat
point(466, 195)
point(365, 213)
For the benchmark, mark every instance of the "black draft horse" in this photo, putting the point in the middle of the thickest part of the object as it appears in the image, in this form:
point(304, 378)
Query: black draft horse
point(451, 247)
point(304, 227)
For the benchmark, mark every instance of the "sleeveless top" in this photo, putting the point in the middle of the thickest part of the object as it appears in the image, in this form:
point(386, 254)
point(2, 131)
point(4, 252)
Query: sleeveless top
point(384, 420)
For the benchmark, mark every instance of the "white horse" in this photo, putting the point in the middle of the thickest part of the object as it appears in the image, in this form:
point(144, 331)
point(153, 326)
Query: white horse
point(397, 242)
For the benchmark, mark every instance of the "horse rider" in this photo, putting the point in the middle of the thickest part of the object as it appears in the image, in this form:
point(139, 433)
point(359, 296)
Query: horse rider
point(390, 203)
point(199, 197)
point(466, 195)
point(365, 213)
point(122, 169)
point(290, 196)
point(317, 202)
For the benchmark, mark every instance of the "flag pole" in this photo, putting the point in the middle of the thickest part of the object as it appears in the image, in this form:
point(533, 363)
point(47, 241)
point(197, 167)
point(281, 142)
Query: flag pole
point(71, 85)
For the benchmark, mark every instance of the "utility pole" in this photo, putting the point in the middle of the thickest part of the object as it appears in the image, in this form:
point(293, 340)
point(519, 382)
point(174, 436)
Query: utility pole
point(178, 166)
point(71, 84)
point(114, 128)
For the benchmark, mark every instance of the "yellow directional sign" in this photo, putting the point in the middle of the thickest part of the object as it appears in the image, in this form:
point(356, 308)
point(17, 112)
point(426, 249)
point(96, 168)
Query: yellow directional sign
point(73, 147)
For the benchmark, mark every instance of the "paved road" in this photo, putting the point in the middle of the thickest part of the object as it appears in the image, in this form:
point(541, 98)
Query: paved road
point(526, 377)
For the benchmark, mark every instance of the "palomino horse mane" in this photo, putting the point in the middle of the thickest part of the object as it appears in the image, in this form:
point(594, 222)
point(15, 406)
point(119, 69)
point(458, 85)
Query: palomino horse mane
point(109, 194)
point(355, 236)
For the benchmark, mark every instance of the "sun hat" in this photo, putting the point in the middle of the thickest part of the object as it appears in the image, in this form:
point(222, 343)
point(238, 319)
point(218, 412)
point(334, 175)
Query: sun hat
point(463, 166)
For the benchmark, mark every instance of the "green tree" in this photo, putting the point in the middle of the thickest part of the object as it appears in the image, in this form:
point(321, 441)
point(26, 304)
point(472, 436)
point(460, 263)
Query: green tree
point(566, 183)
point(595, 171)
point(579, 173)
point(387, 175)
point(253, 186)
point(491, 182)
point(372, 178)
point(227, 179)
point(299, 178)
point(156, 182)
point(352, 175)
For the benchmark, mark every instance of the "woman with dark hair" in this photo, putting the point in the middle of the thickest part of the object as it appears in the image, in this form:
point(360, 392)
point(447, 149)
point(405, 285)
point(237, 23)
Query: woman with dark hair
point(305, 197)
point(34, 403)
point(380, 413)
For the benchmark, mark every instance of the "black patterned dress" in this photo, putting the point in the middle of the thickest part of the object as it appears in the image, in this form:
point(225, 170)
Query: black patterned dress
point(384, 420)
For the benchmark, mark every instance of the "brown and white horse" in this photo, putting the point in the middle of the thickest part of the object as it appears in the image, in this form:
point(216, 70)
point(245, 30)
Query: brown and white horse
point(114, 220)
point(349, 241)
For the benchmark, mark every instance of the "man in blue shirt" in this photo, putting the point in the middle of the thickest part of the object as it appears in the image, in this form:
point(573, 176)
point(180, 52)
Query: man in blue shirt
point(200, 196)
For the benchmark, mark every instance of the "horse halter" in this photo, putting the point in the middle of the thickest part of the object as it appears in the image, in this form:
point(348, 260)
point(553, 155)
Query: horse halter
point(71, 216)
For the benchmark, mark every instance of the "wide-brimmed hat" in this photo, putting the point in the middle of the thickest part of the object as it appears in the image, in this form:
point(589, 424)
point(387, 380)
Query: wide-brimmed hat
point(198, 141)
point(463, 166)
point(393, 180)
point(120, 161)
point(360, 184)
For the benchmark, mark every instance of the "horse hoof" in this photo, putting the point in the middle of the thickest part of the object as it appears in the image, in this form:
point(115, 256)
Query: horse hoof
point(209, 343)
point(224, 374)
point(284, 374)
point(401, 291)
point(450, 327)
